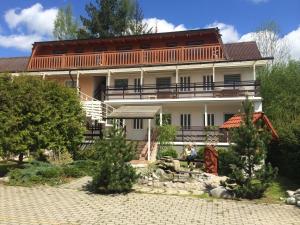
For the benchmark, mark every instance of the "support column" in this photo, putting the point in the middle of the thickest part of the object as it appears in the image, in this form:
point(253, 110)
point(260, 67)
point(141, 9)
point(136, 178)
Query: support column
point(254, 71)
point(44, 76)
point(77, 81)
point(214, 73)
point(205, 115)
point(177, 75)
point(142, 77)
point(149, 139)
point(160, 117)
point(108, 79)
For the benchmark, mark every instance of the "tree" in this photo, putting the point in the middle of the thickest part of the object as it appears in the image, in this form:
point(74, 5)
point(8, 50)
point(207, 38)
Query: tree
point(136, 24)
point(270, 43)
point(250, 177)
point(114, 173)
point(65, 26)
point(37, 114)
point(107, 18)
point(281, 99)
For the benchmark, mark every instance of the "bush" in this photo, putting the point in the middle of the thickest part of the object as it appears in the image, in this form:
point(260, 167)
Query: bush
point(37, 172)
point(169, 151)
point(73, 171)
point(114, 173)
point(88, 167)
point(226, 159)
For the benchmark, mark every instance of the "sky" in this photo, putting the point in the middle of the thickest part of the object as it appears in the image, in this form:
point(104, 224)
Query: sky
point(23, 22)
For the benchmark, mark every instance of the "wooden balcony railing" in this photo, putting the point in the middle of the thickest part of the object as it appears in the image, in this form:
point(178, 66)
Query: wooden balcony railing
point(200, 134)
point(192, 90)
point(127, 58)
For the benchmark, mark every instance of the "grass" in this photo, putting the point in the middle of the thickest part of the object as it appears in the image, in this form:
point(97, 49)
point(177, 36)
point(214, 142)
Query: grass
point(278, 190)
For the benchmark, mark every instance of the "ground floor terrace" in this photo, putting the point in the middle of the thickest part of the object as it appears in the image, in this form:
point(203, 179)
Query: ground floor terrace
point(196, 122)
point(68, 205)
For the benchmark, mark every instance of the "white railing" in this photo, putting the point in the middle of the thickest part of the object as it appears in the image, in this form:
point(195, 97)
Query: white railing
point(95, 109)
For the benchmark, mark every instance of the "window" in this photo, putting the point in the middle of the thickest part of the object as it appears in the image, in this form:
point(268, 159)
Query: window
point(137, 85)
point(166, 119)
point(196, 42)
point(171, 44)
point(227, 116)
point(210, 119)
point(185, 83)
point(208, 84)
point(185, 121)
point(163, 82)
point(145, 46)
point(232, 79)
point(100, 49)
point(137, 124)
point(71, 83)
point(121, 83)
point(124, 48)
point(59, 51)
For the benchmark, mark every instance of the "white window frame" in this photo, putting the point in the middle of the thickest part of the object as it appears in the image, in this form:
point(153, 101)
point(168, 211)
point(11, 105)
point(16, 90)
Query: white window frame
point(185, 120)
point(185, 83)
point(208, 82)
point(138, 124)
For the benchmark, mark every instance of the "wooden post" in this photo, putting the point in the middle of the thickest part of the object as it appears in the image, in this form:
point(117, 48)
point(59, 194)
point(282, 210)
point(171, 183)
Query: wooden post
point(77, 81)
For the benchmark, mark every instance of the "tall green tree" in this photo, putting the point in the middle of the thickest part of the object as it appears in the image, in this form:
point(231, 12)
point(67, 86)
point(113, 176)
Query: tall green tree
point(281, 100)
point(65, 25)
point(107, 18)
point(137, 25)
point(250, 175)
point(37, 114)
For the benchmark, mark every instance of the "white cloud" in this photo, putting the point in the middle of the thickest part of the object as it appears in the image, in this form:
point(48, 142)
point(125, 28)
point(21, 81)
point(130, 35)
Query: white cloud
point(20, 42)
point(229, 33)
point(162, 25)
point(293, 41)
point(35, 19)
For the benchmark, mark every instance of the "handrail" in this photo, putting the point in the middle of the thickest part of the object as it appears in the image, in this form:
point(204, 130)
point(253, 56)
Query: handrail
point(128, 58)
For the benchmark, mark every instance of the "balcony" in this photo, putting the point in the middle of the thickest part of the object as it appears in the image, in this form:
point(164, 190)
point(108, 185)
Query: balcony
point(201, 134)
point(192, 90)
point(127, 58)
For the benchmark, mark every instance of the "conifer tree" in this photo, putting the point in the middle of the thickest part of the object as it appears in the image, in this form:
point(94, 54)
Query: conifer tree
point(113, 153)
point(250, 176)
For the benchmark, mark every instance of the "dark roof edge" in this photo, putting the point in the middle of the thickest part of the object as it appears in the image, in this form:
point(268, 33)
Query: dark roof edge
point(215, 29)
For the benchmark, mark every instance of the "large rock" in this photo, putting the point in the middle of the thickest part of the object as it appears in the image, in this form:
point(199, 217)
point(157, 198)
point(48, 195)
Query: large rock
point(220, 192)
point(298, 203)
point(290, 193)
point(211, 181)
point(297, 197)
point(290, 201)
point(297, 191)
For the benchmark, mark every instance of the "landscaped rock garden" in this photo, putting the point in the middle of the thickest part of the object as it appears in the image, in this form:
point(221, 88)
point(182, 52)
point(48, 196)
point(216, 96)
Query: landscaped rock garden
point(294, 197)
point(166, 176)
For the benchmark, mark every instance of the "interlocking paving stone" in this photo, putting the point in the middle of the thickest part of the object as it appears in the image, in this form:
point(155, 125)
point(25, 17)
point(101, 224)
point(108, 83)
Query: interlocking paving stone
point(48, 205)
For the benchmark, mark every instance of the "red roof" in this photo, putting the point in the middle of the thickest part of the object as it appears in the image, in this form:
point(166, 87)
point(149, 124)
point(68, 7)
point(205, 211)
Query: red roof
point(236, 120)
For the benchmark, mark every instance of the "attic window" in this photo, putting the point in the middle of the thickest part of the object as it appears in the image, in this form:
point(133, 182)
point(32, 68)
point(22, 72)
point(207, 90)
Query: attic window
point(100, 49)
point(59, 51)
point(145, 46)
point(124, 48)
point(171, 44)
point(195, 42)
point(79, 50)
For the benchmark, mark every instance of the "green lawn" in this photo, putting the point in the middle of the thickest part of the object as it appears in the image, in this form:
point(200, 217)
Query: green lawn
point(278, 189)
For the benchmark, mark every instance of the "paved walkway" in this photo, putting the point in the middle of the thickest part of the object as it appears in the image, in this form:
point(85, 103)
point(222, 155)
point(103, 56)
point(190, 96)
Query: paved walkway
point(46, 205)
